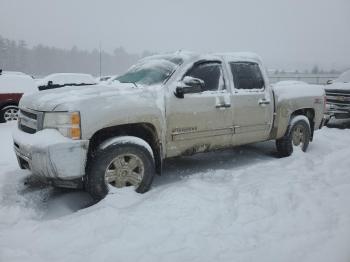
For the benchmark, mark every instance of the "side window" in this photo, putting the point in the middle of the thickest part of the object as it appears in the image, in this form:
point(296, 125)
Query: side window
point(247, 75)
point(210, 73)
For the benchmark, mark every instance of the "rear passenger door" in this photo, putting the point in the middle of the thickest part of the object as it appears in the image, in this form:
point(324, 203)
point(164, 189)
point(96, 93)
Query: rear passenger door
point(252, 103)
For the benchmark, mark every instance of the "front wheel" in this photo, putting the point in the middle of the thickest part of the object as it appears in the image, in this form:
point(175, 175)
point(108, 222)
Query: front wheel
point(120, 165)
point(298, 135)
point(9, 113)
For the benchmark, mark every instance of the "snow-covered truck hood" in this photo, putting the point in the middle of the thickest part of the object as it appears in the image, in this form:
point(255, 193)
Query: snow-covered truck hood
point(102, 106)
point(71, 97)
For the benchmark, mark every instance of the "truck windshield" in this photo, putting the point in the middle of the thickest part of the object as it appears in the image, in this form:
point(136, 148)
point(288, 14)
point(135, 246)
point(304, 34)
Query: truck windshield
point(150, 71)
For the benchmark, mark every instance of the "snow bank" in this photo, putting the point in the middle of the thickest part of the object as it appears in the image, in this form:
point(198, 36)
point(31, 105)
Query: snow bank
point(16, 83)
point(235, 205)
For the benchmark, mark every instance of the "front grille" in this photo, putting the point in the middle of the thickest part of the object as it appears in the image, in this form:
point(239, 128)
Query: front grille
point(338, 97)
point(29, 121)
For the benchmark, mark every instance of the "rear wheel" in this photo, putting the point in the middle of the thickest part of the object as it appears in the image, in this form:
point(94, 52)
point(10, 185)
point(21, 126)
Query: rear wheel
point(297, 136)
point(120, 165)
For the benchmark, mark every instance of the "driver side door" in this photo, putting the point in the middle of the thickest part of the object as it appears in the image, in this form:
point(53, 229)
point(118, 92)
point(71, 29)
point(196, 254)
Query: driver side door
point(201, 121)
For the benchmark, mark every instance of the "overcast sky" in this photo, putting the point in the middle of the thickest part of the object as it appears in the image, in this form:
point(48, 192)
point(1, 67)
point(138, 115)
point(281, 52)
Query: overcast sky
point(286, 33)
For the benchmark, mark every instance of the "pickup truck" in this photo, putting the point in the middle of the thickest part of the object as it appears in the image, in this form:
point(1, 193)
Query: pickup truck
point(338, 97)
point(164, 106)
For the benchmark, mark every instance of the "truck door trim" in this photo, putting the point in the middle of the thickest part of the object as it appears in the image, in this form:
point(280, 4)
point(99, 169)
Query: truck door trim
point(185, 135)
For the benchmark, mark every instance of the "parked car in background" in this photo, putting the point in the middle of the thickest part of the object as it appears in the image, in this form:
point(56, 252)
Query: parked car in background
point(12, 88)
point(338, 97)
point(102, 79)
point(65, 79)
point(12, 73)
point(175, 105)
point(113, 80)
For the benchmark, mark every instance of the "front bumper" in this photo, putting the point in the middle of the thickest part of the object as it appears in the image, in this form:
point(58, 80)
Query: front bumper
point(338, 112)
point(49, 154)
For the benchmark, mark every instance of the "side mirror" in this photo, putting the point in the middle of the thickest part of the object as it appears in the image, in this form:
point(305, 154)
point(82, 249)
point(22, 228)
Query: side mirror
point(189, 85)
point(329, 82)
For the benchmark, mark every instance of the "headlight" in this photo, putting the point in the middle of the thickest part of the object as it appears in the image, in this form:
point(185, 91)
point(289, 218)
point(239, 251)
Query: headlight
point(67, 123)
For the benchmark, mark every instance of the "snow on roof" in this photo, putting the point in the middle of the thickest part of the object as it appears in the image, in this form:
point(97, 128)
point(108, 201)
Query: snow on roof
point(240, 56)
point(176, 58)
point(17, 83)
point(187, 55)
point(67, 78)
point(154, 63)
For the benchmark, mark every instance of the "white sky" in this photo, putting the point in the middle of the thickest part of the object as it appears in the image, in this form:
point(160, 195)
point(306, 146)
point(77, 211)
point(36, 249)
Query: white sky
point(286, 33)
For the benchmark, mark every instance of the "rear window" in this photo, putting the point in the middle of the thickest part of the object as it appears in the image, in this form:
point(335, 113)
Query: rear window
point(247, 75)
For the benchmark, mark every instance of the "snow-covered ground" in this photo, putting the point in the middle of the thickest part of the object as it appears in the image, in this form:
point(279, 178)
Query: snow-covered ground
point(237, 205)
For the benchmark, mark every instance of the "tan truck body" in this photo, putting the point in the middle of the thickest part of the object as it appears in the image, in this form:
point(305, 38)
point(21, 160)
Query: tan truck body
point(173, 126)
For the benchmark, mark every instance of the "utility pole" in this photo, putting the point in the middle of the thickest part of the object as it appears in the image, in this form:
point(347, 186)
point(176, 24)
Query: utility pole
point(100, 59)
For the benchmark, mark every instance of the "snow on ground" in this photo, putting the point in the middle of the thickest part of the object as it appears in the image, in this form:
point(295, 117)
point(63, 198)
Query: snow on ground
point(237, 205)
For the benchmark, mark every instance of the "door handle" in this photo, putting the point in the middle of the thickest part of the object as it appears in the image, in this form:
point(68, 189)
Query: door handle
point(264, 102)
point(223, 106)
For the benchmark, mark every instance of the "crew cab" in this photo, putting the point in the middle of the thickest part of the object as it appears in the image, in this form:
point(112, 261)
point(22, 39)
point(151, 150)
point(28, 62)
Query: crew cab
point(169, 105)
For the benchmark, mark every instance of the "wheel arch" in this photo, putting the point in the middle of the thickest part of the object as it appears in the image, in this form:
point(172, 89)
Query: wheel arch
point(144, 131)
point(8, 103)
point(310, 114)
point(284, 117)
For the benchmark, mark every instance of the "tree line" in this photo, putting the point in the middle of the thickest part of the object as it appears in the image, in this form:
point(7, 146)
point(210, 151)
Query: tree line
point(41, 60)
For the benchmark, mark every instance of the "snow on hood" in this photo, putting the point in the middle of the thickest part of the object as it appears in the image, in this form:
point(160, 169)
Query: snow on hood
point(338, 86)
point(70, 96)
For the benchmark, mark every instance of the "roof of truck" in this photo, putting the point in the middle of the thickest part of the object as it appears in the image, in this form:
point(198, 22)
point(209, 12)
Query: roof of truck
point(188, 55)
point(240, 56)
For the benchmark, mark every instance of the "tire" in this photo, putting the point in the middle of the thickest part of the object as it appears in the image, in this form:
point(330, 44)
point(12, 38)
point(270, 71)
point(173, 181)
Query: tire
point(9, 113)
point(286, 144)
point(96, 179)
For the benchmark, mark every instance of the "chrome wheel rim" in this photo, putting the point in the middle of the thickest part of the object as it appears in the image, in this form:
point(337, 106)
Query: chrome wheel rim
point(11, 114)
point(298, 136)
point(125, 170)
